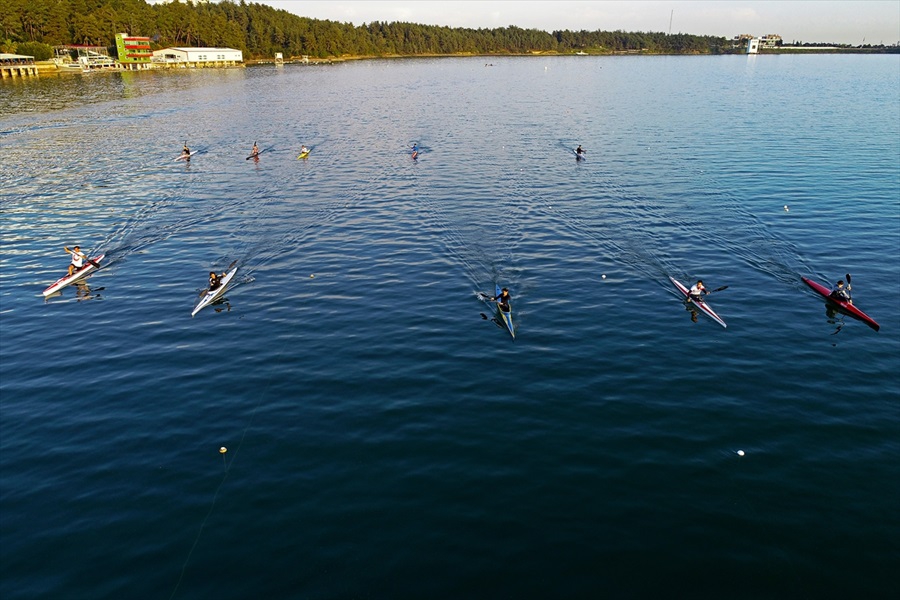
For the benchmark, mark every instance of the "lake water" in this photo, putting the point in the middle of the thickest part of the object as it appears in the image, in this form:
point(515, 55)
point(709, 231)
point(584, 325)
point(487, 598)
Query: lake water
point(385, 437)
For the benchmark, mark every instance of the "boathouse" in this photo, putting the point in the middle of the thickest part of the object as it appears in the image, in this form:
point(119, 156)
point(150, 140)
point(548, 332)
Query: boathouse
point(17, 65)
point(198, 57)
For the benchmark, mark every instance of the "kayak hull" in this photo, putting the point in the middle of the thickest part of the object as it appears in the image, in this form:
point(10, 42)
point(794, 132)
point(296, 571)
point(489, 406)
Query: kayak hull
point(506, 316)
point(845, 307)
point(77, 276)
point(303, 155)
point(214, 295)
point(703, 306)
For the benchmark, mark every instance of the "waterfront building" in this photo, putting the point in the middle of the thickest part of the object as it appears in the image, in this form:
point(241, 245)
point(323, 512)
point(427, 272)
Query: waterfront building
point(134, 52)
point(198, 57)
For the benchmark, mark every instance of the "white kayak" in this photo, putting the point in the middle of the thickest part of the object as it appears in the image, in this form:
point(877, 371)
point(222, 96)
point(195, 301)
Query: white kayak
point(89, 267)
point(213, 295)
point(187, 156)
point(699, 303)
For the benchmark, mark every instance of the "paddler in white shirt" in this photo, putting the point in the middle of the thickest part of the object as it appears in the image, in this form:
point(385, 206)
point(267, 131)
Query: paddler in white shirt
point(78, 258)
point(697, 290)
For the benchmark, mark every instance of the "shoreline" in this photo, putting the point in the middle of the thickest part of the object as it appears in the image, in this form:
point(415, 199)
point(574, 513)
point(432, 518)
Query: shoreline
point(49, 67)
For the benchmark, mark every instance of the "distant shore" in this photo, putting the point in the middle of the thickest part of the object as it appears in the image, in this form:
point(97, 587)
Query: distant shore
point(48, 67)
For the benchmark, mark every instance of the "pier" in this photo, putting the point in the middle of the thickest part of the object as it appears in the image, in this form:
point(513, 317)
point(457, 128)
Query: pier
point(17, 65)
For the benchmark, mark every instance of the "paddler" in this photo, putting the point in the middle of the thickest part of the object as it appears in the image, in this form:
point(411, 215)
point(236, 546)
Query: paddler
point(842, 292)
point(78, 258)
point(255, 150)
point(503, 300)
point(215, 280)
point(186, 152)
point(415, 150)
point(579, 150)
point(303, 149)
point(697, 290)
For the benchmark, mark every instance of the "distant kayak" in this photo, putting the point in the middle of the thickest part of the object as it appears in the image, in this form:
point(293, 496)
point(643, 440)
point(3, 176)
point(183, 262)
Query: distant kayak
point(506, 315)
point(843, 305)
point(303, 155)
point(213, 295)
point(706, 308)
point(89, 267)
point(578, 156)
point(187, 156)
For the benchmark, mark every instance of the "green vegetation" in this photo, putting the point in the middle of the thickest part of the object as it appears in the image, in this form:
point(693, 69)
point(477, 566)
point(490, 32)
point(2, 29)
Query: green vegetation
point(261, 31)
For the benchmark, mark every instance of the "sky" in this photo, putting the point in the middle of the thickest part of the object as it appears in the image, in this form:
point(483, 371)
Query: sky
point(837, 21)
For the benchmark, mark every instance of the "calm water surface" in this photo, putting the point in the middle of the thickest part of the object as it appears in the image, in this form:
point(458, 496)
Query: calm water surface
point(385, 438)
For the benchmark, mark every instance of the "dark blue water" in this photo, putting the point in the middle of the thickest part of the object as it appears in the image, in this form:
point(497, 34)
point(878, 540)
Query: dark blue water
point(385, 437)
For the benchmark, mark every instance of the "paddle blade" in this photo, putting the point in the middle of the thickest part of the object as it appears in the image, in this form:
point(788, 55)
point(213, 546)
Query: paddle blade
point(848, 278)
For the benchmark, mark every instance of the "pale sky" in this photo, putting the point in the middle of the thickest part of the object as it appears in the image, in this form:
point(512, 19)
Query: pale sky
point(875, 21)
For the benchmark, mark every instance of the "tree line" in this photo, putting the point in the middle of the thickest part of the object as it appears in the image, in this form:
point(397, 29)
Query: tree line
point(261, 31)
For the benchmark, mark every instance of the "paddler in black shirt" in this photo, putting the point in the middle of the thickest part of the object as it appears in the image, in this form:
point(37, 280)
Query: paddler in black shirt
point(503, 300)
point(215, 280)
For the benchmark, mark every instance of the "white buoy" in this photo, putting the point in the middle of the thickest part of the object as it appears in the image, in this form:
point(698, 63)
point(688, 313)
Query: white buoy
point(603, 277)
point(786, 209)
point(740, 452)
point(223, 450)
point(312, 276)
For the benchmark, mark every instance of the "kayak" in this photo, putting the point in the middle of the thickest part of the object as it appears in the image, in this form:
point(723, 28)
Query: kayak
point(186, 156)
point(699, 303)
point(579, 156)
point(845, 306)
point(506, 316)
point(212, 296)
point(303, 155)
point(78, 275)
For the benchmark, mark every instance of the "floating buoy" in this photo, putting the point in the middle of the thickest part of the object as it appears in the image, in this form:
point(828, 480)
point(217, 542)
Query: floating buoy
point(312, 276)
point(740, 452)
point(603, 277)
point(223, 450)
point(786, 209)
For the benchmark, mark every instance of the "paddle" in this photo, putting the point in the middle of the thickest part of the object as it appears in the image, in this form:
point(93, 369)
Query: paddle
point(849, 294)
point(719, 289)
point(252, 154)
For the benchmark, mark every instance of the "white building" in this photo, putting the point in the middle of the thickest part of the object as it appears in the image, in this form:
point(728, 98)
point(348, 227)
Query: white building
point(198, 57)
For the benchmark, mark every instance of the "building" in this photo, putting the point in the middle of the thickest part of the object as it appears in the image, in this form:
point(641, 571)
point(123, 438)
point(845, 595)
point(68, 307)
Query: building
point(740, 41)
point(134, 52)
point(751, 44)
point(198, 57)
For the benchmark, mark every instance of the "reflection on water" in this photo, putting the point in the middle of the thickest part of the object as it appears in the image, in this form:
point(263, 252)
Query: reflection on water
point(364, 406)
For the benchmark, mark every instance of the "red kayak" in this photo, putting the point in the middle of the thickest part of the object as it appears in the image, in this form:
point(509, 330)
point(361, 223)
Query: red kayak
point(843, 305)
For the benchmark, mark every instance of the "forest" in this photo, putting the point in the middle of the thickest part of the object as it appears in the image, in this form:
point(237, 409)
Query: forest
point(33, 27)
